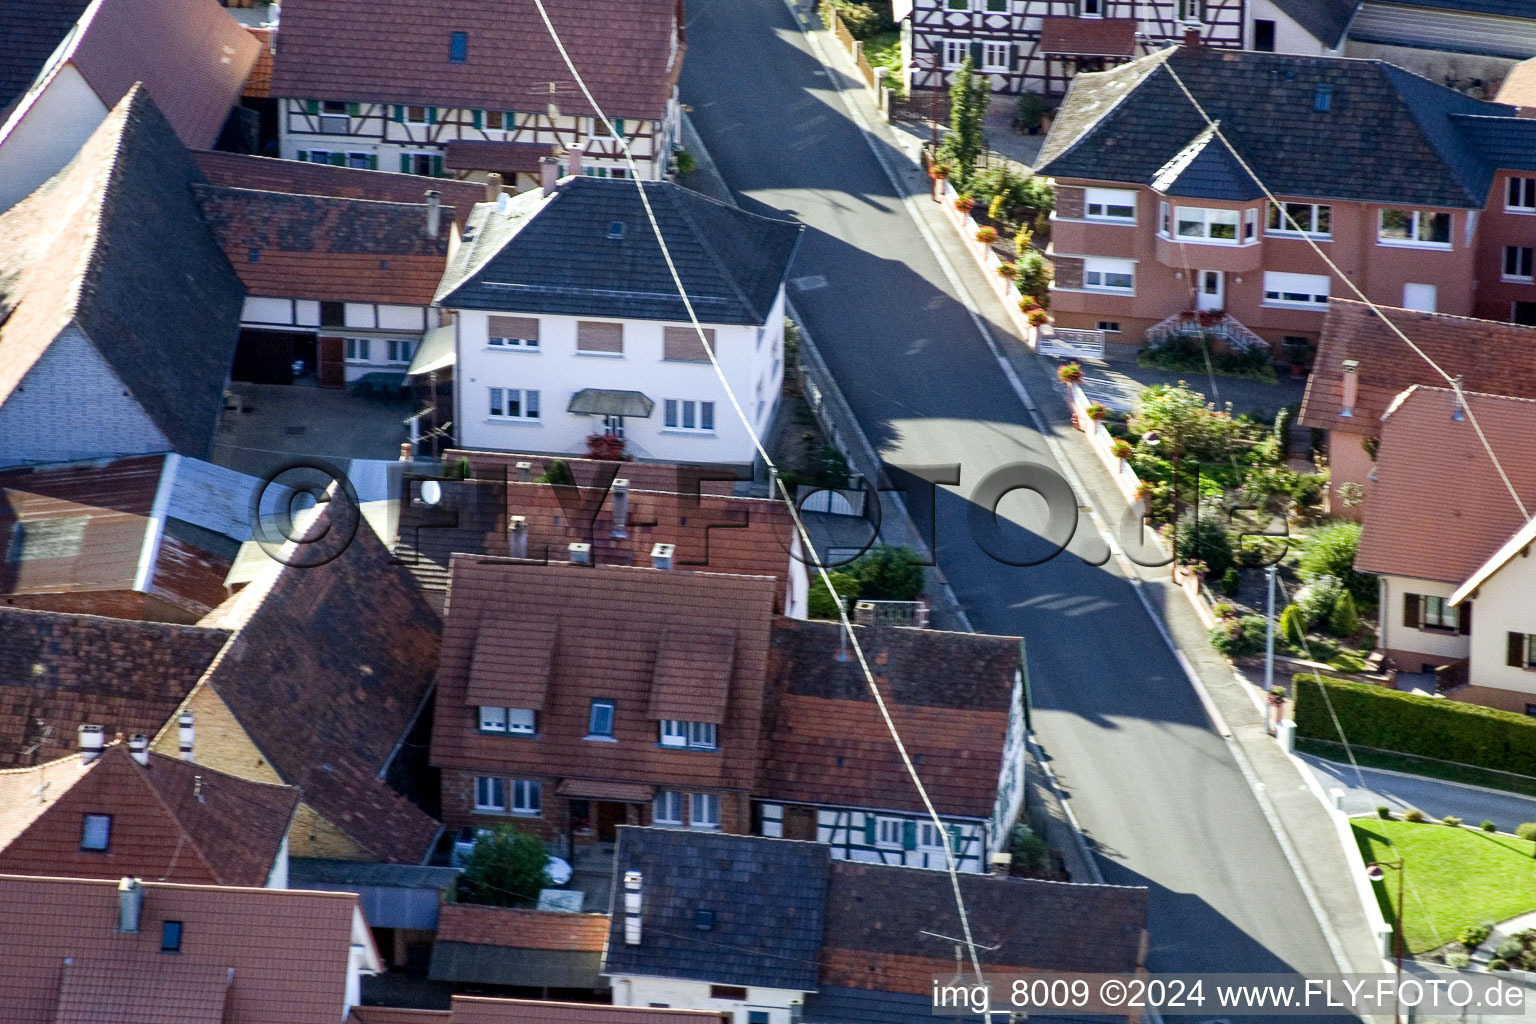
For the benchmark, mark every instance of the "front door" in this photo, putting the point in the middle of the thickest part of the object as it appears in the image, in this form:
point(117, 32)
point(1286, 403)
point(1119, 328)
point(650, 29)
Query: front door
point(610, 816)
point(1212, 293)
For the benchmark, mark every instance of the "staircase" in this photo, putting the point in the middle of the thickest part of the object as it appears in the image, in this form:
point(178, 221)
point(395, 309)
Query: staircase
point(1187, 324)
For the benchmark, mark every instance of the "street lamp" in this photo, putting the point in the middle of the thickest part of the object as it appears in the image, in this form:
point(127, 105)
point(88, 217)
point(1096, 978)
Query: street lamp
point(1155, 439)
point(1374, 871)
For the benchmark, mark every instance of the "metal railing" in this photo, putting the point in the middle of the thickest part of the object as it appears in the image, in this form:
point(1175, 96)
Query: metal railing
point(891, 613)
point(1186, 324)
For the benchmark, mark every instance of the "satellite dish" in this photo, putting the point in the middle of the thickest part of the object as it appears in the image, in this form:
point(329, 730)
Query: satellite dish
point(431, 492)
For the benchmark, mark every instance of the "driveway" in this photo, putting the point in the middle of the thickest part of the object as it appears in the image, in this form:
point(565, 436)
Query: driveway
point(1370, 788)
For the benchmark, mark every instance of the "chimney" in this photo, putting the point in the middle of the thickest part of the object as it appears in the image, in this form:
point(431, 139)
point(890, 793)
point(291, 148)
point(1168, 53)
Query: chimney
point(405, 451)
point(92, 739)
point(138, 746)
point(434, 212)
point(1458, 407)
point(492, 186)
point(573, 161)
point(580, 554)
point(549, 173)
point(517, 536)
point(130, 904)
point(1191, 35)
point(661, 555)
point(524, 472)
point(620, 508)
point(1000, 862)
point(1351, 387)
point(184, 734)
point(631, 908)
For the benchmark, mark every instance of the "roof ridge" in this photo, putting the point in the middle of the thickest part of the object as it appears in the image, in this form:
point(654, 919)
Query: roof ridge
point(145, 624)
point(1477, 394)
point(1423, 314)
point(98, 206)
point(141, 773)
point(209, 187)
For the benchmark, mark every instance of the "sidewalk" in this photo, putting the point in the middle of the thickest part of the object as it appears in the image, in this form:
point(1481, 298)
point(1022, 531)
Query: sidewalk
point(1371, 788)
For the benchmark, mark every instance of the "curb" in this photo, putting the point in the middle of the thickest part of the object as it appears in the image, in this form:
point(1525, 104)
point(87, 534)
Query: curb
point(1424, 778)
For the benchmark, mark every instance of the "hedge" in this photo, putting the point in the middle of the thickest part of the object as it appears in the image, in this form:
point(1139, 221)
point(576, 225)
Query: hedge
point(1446, 730)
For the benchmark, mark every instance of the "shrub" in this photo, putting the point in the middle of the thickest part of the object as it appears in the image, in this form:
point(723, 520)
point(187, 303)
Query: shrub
point(1071, 373)
point(1451, 820)
point(1030, 850)
point(1030, 110)
point(1238, 638)
point(557, 472)
point(1526, 830)
point(1373, 716)
point(888, 574)
point(1316, 599)
point(1415, 815)
point(1473, 935)
point(1034, 276)
point(686, 163)
point(1458, 961)
point(1331, 552)
point(820, 603)
point(1343, 620)
point(1223, 609)
point(986, 234)
point(1231, 580)
point(1497, 965)
point(1488, 826)
point(1509, 949)
point(1203, 537)
point(506, 868)
point(1021, 240)
point(1384, 813)
point(1307, 495)
point(1293, 624)
point(605, 447)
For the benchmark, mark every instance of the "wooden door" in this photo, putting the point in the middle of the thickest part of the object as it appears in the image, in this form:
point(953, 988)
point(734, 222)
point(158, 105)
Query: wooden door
point(609, 817)
point(800, 823)
point(333, 365)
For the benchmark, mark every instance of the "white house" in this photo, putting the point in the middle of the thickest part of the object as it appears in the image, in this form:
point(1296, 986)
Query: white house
point(450, 88)
point(568, 322)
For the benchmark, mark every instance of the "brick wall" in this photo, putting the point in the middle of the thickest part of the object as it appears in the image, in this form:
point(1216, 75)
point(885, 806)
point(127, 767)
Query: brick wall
point(1069, 271)
point(1069, 201)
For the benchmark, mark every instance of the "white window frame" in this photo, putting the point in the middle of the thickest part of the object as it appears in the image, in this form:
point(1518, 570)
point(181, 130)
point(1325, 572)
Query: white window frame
point(1090, 8)
point(1107, 199)
point(528, 798)
point(1517, 276)
point(358, 350)
point(948, 47)
point(667, 808)
point(500, 400)
point(704, 811)
point(490, 794)
point(1109, 326)
point(679, 413)
point(1104, 267)
point(673, 733)
point(1296, 291)
point(403, 346)
point(522, 721)
point(1276, 222)
point(493, 719)
point(927, 830)
point(1002, 50)
point(1191, 10)
point(1207, 216)
point(592, 719)
point(1520, 195)
point(1416, 223)
point(677, 734)
point(888, 833)
point(103, 829)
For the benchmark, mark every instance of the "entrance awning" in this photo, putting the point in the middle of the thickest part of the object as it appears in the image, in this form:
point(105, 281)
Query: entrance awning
point(602, 789)
point(1088, 37)
point(434, 353)
point(598, 402)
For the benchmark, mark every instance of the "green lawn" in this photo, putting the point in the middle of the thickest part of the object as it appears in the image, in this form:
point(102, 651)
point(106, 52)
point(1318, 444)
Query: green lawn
point(1456, 877)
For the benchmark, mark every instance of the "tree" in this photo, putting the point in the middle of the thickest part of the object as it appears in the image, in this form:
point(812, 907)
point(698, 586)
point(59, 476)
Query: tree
point(1331, 552)
point(969, 96)
point(1344, 621)
point(506, 868)
point(820, 604)
point(557, 472)
point(1184, 422)
point(888, 574)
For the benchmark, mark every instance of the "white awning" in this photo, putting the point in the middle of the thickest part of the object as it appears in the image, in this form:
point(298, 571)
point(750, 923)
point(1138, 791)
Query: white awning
point(435, 352)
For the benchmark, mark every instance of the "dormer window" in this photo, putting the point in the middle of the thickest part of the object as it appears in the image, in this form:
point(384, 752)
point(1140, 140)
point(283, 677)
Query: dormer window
point(517, 721)
point(688, 735)
point(600, 720)
point(458, 47)
point(96, 832)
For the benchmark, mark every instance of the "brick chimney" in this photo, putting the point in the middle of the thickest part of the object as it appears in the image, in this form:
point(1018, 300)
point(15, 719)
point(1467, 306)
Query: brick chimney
point(1351, 387)
point(517, 536)
point(620, 508)
point(184, 734)
point(434, 212)
point(92, 739)
point(549, 173)
point(1191, 35)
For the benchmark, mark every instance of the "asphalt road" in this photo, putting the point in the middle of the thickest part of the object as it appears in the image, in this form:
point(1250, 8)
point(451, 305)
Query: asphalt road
point(1155, 788)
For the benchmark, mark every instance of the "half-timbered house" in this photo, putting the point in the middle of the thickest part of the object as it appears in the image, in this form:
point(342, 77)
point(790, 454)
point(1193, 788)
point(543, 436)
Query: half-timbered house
point(468, 90)
point(1038, 45)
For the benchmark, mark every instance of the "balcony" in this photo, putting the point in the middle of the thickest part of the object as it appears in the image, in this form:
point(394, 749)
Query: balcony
point(1205, 254)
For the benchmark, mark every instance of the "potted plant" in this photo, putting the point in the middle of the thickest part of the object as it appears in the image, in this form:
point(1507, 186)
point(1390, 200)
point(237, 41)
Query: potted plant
point(1036, 317)
point(1122, 449)
point(1007, 271)
point(1277, 696)
point(938, 171)
point(986, 234)
point(1096, 412)
point(1072, 373)
point(964, 203)
point(1028, 302)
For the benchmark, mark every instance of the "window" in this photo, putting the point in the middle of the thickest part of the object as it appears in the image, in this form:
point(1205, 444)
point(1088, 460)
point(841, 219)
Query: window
point(519, 721)
point(1310, 218)
point(424, 164)
point(703, 810)
point(930, 837)
point(678, 414)
point(1309, 290)
point(527, 797)
point(333, 107)
point(399, 350)
point(1522, 652)
point(170, 937)
point(602, 338)
point(1414, 227)
point(1191, 10)
point(888, 832)
point(600, 720)
point(333, 314)
point(1264, 35)
point(1109, 326)
point(1437, 614)
point(996, 56)
point(513, 332)
point(493, 719)
point(667, 809)
point(514, 403)
point(1250, 224)
point(1110, 204)
point(415, 115)
point(758, 1017)
point(997, 6)
point(497, 120)
point(1165, 218)
point(357, 350)
point(1322, 98)
point(694, 735)
point(729, 993)
point(1206, 225)
point(458, 47)
point(1090, 8)
point(958, 5)
point(682, 344)
point(362, 161)
point(956, 50)
point(1107, 275)
point(490, 795)
point(334, 119)
point(95, 832)
point(1520, 195)
point(1517, 263)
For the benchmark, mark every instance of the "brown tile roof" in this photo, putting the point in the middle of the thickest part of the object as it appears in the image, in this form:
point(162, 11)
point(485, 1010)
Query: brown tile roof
point(265, 174)
point(170, 820)
point(518, 928)
point(191, 55)
point(611, 622)
point(949, 694)
point(397, 51)
point(316, 247)
point(1496, 358)
point(165, 991)
point(258, 84)
point(879, 921)
point(288, 950)
point(398, 1015)
point(693, 674)
point(1088, 37)
point(326, 683)
point(59, 672)
point(1438, 508)
point(510, 664)
point(479, 1010)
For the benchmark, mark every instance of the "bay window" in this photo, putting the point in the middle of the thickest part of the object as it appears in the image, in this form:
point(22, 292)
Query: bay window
point(1201, 224)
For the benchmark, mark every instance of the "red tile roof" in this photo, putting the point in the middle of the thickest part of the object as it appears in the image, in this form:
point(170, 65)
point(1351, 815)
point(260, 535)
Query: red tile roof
point(611, 622)
point(258, 84)
point(477, 1010)
point(1496, 358)
point(518, 928)
point(265, 174)
point(288, 951)
point(1088, 37)
point(1438, 508)
point(170, 820)
point(396, 51)
point(315, 247)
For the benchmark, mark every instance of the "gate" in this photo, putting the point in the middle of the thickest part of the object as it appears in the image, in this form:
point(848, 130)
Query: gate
point(1070, 343)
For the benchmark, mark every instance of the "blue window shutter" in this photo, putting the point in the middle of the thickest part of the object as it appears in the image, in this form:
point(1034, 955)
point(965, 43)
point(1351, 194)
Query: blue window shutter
point(479, 118)
point(354, 109)
point(909, 835)
point(304, 155)
point(405, 163)
point(437, 167)
point(313, 106)
point(399, 114)
point(869, 830)
point(431, 115)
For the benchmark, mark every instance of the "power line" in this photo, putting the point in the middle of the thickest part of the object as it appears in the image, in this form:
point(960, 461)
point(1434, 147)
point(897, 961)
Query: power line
point(794, 512)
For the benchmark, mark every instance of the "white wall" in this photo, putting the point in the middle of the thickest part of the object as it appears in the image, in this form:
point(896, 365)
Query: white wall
point(1435, 645)
point(71, 405)
point(41, 136)
point(798, 586)
point(557, 371)
point(843, 829)
point(1506, 603)
point(1009, 802)
point(630, 990)
point(1289, 36)
point(278, 878)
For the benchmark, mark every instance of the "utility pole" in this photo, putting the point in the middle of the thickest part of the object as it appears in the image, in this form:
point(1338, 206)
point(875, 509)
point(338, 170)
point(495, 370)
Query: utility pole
point(1269, 632)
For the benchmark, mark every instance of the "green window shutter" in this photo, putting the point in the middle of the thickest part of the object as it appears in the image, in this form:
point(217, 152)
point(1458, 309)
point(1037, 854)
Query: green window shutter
point(339, 159)
point(304, 155)
point(1516, 650)
point(954, 839)
point(437, 167)
point(373, 161)
point(405, 163)
point(869, 830)
point(431, 115)
point(1411, 611)
point(618, 127)
point(354, 109)
point(313, 106)
point(479, 118)
point(399, 114)
point(509, 119)
point(909, 835)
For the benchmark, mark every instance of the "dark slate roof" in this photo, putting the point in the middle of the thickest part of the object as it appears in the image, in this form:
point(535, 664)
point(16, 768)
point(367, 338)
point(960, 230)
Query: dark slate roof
point(555, 254)
point(1502, 8)
point(867, 1006)
point(33, 30)
point(1326, 20)
point(1206, 169)
point(767, 897)
point(1388, 135)
point(114, 243)
point(1505, 142)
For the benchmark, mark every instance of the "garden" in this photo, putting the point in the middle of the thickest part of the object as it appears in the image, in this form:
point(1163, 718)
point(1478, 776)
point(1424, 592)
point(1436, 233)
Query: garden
point(881, 574)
